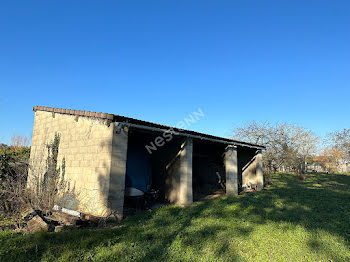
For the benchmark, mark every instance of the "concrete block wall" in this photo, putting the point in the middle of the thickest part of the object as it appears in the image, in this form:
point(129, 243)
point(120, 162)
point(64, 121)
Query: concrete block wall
point(179, 176)
point(253, 173)
point(86, 145)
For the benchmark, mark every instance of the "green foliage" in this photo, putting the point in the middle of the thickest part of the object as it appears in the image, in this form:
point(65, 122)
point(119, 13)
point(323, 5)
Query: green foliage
point(53, 182)
point(11, 158)
point(52, 172)
point(292, 220)
point(13, 176)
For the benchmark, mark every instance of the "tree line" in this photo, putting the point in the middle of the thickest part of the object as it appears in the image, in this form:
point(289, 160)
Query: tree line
point(291, 147)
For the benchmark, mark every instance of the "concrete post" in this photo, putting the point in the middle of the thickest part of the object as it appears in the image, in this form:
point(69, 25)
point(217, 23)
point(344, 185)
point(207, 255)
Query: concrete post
point(185, 187)
point(231, 167)
point(259, 171)
point(178, 184)
point(118, 171)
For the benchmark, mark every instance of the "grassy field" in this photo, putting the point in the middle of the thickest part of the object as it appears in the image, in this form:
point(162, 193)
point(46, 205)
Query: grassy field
point(290, 221)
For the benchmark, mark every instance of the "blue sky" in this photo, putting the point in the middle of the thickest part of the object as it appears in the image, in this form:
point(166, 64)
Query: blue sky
point(284, 61)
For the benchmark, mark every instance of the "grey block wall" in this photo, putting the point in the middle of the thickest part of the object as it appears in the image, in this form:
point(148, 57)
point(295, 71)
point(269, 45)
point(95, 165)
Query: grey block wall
point(85, 145)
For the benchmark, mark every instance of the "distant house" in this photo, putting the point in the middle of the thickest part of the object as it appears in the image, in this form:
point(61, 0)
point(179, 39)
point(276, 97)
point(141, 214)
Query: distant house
point(314, 167)
point(108, 158)
point(318, 165)
point(344, 166)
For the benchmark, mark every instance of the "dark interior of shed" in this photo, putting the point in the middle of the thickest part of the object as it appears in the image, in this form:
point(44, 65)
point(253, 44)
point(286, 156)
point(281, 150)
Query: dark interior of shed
point(146, 169)
point(208, 174)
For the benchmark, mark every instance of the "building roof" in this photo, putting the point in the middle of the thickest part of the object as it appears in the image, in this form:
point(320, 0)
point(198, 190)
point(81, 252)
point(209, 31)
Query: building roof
point(144, 124)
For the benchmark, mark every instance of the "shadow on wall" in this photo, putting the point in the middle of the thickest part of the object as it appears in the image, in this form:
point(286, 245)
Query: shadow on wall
point(172, 181)
point(246, 167)
point(169, 232)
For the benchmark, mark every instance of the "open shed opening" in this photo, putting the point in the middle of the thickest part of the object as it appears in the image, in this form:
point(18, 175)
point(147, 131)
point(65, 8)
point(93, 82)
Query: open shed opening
point(208, 179)
point(147, 159)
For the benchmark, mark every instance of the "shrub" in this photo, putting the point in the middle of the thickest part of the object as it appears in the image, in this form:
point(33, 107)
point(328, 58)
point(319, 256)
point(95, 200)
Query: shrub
point(46, 189)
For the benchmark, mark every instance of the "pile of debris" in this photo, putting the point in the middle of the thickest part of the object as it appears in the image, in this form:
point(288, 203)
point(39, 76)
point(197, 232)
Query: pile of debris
point(55, 221)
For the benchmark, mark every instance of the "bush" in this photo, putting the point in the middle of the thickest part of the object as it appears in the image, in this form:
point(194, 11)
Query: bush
point(13, 176)
point(45, 189)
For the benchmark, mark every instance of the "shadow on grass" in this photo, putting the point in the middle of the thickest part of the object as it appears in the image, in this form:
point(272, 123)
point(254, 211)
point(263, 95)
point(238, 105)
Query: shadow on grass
point(206, 228)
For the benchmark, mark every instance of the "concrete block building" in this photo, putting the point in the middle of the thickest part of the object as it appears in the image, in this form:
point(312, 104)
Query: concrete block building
point(108, 157)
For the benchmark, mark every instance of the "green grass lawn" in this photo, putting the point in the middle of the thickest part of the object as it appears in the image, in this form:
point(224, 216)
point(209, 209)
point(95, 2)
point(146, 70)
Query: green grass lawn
point(292, 220)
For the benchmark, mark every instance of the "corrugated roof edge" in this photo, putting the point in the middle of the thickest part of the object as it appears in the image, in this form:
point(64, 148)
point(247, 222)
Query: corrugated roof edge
point(128, 120)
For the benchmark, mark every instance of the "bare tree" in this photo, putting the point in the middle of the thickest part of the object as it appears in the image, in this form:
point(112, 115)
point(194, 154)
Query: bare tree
point(341, 141)
point(19, 141)
point(287, 145)
point(330, 158)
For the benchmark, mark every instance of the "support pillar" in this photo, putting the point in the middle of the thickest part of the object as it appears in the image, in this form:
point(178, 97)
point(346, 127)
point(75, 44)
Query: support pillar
point(185, 190)
point(259, 171)
point(118, 171)
point(231, 168)
point(179, 178)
